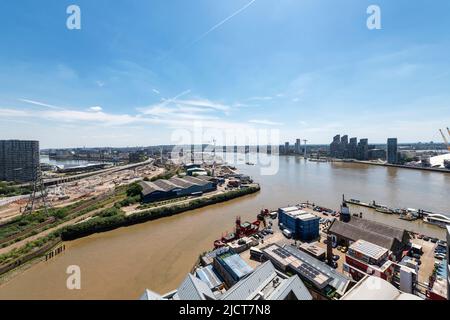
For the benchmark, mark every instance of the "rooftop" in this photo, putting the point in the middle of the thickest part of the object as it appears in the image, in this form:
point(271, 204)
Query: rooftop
point(317, 272)
point(265, 283)
point(236, 263)
point(375, 288)
point(378, 233)
point(369, 249)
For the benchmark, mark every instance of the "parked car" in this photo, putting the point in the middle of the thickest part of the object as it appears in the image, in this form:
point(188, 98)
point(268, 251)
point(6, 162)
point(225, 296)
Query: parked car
point(442, 243)
point(339, 248)
point(434, 240)
point(426, 238)
point(335, 257)
point(416, 256)
point(269, 231)
point(439, 256)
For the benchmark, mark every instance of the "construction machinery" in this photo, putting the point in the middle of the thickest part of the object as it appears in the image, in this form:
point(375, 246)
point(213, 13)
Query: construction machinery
point(445, 138)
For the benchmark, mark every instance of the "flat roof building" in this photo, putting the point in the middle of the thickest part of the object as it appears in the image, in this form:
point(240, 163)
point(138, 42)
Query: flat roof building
point(265, 283)
point(325, 281)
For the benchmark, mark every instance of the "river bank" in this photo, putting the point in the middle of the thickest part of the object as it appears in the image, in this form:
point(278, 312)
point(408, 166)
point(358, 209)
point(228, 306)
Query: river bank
point(121, 263)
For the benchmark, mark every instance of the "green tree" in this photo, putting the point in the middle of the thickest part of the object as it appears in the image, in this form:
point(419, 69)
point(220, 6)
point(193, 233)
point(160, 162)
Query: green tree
point(134, 190)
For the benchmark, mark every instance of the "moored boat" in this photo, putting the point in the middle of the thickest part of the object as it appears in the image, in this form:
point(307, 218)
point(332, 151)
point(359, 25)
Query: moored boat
point(437, 219)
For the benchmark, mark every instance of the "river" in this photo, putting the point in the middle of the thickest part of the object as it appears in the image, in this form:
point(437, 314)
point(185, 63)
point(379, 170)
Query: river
point(120, 264)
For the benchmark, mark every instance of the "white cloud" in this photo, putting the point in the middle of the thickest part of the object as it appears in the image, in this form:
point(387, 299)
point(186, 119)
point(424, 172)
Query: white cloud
point(265, 122)
point(5, 112)
point(155, 91)
point(96, 108)
point(266, 98)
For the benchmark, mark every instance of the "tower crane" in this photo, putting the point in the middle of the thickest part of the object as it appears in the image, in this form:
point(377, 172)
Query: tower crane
point(445, 139)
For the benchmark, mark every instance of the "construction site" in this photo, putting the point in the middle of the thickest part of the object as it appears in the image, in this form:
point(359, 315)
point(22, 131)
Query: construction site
point(63, 192)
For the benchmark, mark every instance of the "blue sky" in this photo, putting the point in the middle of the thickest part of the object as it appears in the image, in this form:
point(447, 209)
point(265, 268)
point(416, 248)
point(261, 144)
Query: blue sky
point(138, 70)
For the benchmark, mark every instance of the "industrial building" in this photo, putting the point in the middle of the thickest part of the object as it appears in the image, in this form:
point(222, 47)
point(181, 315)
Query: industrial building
point(324, 282)
point(367, 258)
point(264, 283)
point(175, 187)
point(394, 239)
point(303, 226)
point(210, 277)
point(231, 267)
point(374, 288)
point(19, 160)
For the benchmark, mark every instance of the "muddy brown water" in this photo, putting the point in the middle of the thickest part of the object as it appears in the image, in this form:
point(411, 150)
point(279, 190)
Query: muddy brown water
point(121, 263)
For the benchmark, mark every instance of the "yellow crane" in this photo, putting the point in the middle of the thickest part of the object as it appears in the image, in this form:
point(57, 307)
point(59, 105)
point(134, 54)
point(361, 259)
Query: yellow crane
point(445, 138)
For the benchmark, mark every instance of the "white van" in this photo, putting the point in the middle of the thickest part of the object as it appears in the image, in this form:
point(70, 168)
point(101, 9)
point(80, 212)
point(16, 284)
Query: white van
point(287, 233)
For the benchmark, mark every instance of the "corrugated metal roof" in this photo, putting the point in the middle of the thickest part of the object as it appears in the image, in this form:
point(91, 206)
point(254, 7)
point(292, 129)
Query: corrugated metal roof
point(250, 286)
point(383, 235)
point(369, 249)
point(150, 295)
point(261, 281)
point(193, 289)
point(237, 264)
point(293, 284)
point(208, 276)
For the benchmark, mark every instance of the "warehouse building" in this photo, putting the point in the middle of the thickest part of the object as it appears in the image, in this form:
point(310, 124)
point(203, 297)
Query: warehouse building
point(324, 282)
point(19, 160)
point(394, 239)
point(231, 267)
point(265, 283)
point(175, 187)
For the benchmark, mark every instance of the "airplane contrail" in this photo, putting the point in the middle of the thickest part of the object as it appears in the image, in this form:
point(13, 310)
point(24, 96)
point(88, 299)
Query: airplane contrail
point(210, 29)
point(223, 21)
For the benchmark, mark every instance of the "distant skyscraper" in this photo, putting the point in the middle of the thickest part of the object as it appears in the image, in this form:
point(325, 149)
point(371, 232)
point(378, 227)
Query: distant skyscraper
point(343, 147)
point(334, 146)
point(19, 160)
point(298, 146)
point(352, 148)
point(286, 147)
point(363, 149)
point(392, 150)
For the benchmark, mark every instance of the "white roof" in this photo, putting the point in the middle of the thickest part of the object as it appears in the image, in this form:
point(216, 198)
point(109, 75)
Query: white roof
point(375, 288)
point(369, 249)
point(439, 160)
point(150, 295)
point(287, 209)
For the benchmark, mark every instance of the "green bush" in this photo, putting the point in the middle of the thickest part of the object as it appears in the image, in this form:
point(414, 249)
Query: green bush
point(134, 189)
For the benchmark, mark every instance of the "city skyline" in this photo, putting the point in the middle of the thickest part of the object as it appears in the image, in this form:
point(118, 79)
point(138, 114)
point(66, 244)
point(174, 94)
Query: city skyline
point(296, 66)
